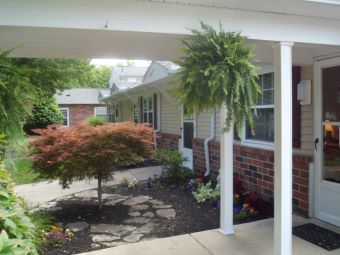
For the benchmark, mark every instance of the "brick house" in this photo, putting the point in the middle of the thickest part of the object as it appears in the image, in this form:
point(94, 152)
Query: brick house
point(81, 103)
point(198, 137)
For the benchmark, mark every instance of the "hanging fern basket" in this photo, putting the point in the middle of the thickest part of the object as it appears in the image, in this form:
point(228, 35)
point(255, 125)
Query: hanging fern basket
point(217, 68)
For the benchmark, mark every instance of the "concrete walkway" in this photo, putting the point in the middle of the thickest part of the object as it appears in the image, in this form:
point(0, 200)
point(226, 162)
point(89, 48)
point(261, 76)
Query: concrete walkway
point(254, 238)
point(42, 192)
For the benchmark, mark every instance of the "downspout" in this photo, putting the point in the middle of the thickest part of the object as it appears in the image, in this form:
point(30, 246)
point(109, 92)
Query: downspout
point(158, 120)
point(206, 143)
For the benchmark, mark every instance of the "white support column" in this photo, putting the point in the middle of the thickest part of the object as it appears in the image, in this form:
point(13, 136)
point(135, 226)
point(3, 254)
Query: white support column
point(283, 149)
point(226, 176)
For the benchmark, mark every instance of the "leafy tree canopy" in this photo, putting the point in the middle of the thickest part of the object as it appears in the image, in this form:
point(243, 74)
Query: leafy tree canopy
point(51, 75)
point(217, 68)
point(26, 82)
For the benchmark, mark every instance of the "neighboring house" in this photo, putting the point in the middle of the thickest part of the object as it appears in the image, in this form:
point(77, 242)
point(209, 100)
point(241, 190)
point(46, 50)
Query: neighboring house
point(123, 78)
point(198, 136)
point(81, 103)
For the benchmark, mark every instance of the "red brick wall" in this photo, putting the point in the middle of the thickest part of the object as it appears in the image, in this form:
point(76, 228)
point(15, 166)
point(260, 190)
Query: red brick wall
point(79, 113)
point(167, 141)
point(255, 167)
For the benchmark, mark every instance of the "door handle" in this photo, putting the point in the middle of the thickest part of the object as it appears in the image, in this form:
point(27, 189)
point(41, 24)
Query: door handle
point(316, 141)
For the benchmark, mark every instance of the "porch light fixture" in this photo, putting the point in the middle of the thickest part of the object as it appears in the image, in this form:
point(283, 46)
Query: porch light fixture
point(304, 94)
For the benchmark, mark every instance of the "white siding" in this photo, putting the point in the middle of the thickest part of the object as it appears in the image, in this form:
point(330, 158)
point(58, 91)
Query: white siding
point(170, 117)
point(307, 118)
point(203, 125)
point(126, 110)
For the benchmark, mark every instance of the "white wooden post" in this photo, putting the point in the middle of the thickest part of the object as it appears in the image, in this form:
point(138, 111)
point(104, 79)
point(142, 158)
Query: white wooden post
point(226, 176)
point(283, 149)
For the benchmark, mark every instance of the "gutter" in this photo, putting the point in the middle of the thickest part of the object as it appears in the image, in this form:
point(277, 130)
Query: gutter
point(206, 143)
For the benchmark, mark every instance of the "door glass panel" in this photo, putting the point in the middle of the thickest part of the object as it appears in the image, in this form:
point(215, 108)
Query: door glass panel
point(187, 116)
point(331, 153)
point(331, 123)
point(331, 93)
point(188, 133)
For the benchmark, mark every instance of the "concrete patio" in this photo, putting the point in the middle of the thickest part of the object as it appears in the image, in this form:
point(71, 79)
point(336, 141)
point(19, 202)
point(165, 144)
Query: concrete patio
point(254, 238)
point(42, 192)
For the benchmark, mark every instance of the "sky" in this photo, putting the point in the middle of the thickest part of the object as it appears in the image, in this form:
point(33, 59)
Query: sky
point(114, 62)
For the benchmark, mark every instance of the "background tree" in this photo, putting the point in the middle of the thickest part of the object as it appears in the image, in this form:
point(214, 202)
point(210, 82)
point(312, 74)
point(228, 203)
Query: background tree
point(17, 96)
point(52, 75)
point(99, 77)
point(88, 151)
point(217, 68)
point(43, 114)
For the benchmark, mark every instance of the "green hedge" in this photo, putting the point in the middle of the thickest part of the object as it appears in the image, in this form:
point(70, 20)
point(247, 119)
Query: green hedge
point(43, 114)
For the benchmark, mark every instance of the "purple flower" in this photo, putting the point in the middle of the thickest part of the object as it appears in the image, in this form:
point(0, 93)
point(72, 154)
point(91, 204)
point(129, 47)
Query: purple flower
point(215, 203)
point(237, 209)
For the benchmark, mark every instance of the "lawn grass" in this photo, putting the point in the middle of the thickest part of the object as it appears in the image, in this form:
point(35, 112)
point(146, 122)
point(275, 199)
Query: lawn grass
point(21, 171)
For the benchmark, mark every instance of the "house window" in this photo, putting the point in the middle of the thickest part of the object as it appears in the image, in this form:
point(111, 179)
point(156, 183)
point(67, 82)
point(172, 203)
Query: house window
point(148, 110)
point(136, 113)
point(114, 113)
point(101, 112)
point(66, 116)
point(264, 122)
point(132, 79)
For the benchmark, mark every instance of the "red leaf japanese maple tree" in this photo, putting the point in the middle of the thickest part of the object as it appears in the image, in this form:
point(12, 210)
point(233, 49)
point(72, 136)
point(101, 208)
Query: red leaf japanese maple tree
point(90, 152)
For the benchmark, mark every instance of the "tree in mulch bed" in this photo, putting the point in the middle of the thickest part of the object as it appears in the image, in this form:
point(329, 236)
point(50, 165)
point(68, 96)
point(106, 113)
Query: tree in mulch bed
point(90, 151)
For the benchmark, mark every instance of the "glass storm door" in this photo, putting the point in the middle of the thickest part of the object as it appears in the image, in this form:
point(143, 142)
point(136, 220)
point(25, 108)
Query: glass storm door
point(187, 137)
point(328, 146)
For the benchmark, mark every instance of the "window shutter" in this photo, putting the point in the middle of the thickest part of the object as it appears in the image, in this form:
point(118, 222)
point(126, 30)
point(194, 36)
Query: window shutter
point(141, 109)
point(296, 73)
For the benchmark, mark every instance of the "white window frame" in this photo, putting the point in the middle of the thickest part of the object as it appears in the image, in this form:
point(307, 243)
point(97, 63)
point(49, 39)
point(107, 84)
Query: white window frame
point(132, 79)
point(148, 111)
point(68, 115)
point(100, 107)
point(258, 143)
point(136, 109)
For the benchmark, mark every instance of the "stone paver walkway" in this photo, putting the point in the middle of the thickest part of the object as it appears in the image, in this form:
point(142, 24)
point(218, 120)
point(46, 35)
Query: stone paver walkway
point(42, 192)
point(144, 215)
point(255, 238)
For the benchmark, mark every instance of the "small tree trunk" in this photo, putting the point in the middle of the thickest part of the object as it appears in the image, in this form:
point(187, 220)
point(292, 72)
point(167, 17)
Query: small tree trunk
point(100, 191)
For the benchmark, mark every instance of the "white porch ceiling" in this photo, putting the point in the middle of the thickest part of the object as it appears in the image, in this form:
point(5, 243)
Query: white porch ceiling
point(153, 29)
point(82, 43)
point(310, 8)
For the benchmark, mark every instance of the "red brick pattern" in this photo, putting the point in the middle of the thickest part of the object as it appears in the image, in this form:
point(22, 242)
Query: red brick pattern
point(79, 113)
point(167, 141)
point(255, 167)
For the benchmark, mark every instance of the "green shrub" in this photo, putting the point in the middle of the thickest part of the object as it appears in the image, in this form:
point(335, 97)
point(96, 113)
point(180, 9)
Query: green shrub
point(43, 114)
point(18, 233)
point(95, 121)
point(206, 192)
point(173, 169)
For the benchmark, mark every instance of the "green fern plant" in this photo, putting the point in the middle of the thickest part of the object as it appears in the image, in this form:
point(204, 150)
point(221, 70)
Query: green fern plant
point(216, 68)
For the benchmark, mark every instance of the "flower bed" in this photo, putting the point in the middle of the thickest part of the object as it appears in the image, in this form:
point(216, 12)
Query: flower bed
point(165, 209)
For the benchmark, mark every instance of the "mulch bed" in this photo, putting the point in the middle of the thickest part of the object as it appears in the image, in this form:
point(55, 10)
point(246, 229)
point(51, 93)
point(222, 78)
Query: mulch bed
point(190, 216)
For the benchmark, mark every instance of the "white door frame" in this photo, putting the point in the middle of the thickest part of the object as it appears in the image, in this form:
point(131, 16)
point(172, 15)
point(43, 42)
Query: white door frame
point(318, 134)
point(182, 149)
